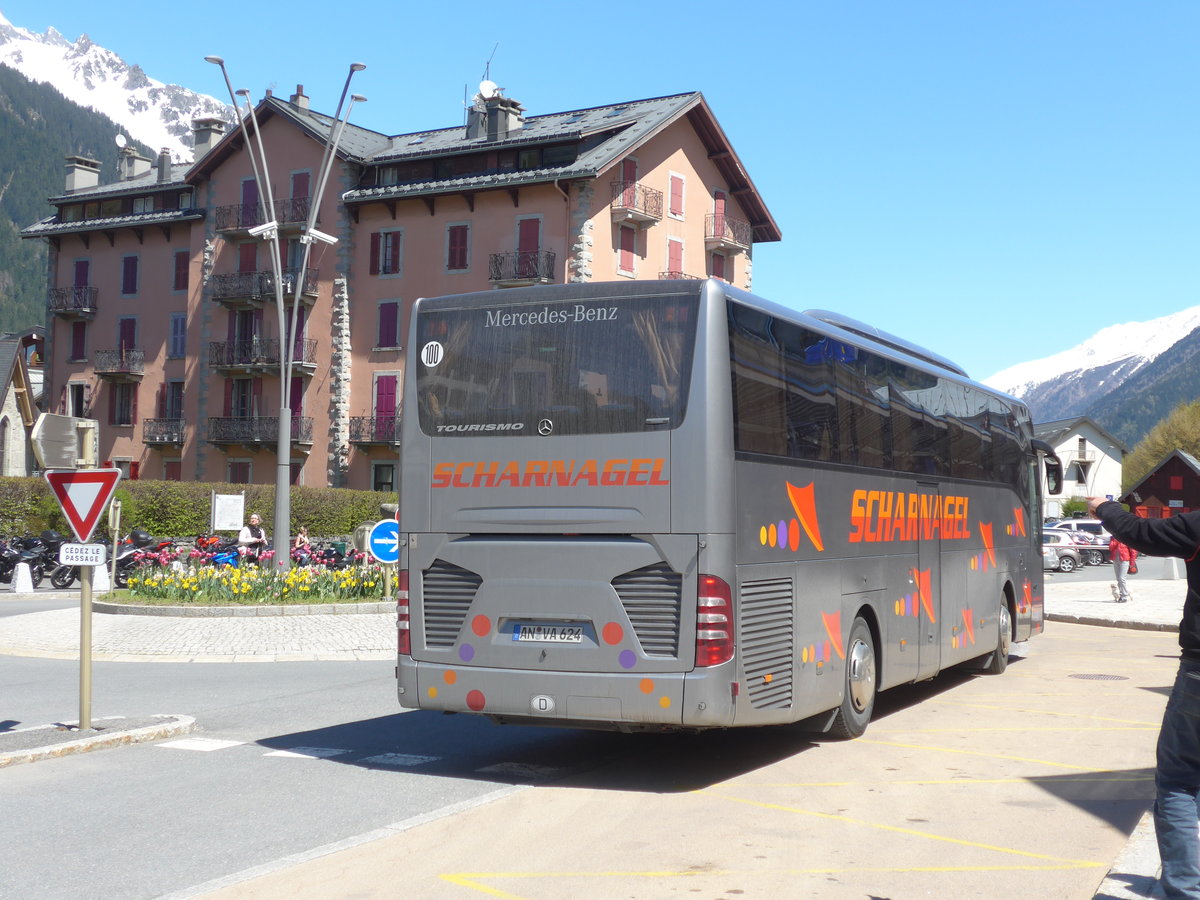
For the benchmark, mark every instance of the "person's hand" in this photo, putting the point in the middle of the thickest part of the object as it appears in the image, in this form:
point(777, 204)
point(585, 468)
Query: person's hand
point(1094, 502)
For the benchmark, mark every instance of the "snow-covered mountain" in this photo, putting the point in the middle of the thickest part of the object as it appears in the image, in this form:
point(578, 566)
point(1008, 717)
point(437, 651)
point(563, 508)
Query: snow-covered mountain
point(154, 113)
point(1145, 360)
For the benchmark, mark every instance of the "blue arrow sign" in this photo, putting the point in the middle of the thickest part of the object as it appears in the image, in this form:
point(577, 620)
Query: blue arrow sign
point(384, 541)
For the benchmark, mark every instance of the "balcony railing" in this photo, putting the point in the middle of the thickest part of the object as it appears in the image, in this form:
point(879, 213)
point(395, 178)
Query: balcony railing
point(673, 275)
point(375, 429)
point(633, 202)
point(162, 431)
point(252, 430)
point(722, 232)
point(520, 267)
point(259, 353)
point(73, 302)
point(244, 216)
point(260, 286)
point(124, 364)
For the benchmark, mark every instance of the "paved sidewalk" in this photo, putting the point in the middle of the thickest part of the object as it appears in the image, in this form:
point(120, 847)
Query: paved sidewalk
point(1157, 604)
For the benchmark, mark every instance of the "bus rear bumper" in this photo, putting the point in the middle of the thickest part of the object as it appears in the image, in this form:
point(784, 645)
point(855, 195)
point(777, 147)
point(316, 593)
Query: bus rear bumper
point(624, 701)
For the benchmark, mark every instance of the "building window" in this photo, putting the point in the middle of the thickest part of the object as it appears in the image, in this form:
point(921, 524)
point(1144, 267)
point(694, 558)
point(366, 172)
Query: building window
point(177, 347)
point(1176, 482)
point(182, 262)
point(675, 257)
point(383, 477)
point(458, 239)
point(172, 470)
point(143, 204)
point(719, 268)
point(240, 471)
point(171, 400)
point(389, 324)
point(122, 404)
point(185, 199)
point(77, 404)
point(78, 341)
point(386, 252)
point(129, 275)
point(675, 206)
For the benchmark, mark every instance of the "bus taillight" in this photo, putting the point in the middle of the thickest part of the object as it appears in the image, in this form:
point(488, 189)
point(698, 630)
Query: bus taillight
point(403, 623)
point(714, 622)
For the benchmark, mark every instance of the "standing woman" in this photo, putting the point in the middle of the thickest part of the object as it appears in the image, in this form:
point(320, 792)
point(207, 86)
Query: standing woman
point(1123, 557)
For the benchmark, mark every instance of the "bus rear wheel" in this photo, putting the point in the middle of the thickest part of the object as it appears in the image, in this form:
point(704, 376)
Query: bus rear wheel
point(999, 660)
point(858, 700)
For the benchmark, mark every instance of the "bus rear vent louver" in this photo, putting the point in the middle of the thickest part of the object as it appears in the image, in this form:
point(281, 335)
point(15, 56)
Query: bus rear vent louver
point(765, 627)
point(651, 597)
point(447, 592)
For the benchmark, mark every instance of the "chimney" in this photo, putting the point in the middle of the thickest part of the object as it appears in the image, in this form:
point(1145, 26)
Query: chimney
point(131, 164)
point(164, 165)
point(298, 99)
point(503, 117)
point(206, 134)
point(82, 173)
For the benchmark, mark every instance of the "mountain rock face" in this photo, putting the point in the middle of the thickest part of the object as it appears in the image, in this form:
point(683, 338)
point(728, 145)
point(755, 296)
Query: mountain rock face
point(1125, 377)
point(157, 114)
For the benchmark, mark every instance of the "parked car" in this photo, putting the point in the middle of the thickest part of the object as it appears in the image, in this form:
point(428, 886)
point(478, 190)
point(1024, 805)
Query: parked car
point(1066, 558)
point(1094, 527)
point(1093, 550)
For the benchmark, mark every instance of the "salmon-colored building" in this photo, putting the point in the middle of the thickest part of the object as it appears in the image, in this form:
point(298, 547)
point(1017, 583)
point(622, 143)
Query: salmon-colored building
point(162, 320)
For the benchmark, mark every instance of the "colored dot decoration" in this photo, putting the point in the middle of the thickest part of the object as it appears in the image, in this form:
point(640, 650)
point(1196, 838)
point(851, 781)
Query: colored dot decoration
point(466, 653)
point(627, 659)
point(613, 633)
point(476, 701)
point(782, 535)
point(432, 691)
point(481, 625)
point(450, 676)
point(647, 685)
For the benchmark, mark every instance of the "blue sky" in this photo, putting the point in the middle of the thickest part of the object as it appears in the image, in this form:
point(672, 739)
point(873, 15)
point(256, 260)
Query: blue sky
point(996, 181)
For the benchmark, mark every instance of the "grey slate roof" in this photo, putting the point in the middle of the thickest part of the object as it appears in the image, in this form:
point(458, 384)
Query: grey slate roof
point(146, 183)
point(49, 226)
point(1054, 432)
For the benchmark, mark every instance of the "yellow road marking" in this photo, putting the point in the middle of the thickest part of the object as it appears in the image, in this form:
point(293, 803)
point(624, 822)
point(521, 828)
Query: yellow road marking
point(1070, 863)
point(1031, 779)
point(1022, 759)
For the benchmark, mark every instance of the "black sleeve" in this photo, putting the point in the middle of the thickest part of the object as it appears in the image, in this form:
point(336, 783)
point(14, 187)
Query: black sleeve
point(1176, 536)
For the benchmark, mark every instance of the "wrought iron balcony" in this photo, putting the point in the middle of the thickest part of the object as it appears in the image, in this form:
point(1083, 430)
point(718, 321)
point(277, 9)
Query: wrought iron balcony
point(375, 429)
point(633, 202)
point(259, 287)
point(73, 302)
point(514, 268)
point(123, 364)
point(722, 232)
point(162, 431)
point(257, 431)
point(259, 355)
point(244, 216)
point(673, 275)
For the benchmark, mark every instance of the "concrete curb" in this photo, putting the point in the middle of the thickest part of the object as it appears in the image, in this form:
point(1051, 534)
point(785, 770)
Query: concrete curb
point(311, 609)
point(171, 726)
point(1134, 873)
point(1109, 623)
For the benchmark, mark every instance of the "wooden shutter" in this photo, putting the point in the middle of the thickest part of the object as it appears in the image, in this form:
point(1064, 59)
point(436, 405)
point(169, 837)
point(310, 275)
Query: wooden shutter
point(82, 272)
point(162, 400)
point(182, 259)
point(456, 258)
point(129, 275)
point(247, 257)
point(676, 195)
point(675, 257)
point(388, 322)
point(228, 397)
point(628, 244)
point(375, 238)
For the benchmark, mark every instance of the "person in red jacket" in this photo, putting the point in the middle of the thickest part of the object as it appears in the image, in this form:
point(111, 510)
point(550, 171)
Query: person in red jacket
point(1122, 559)
point(1177, 770)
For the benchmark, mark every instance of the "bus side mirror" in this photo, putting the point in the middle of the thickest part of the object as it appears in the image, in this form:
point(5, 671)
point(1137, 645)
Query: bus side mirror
point(1054, 469)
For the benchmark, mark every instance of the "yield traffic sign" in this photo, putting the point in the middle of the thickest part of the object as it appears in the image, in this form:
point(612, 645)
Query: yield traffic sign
point(384, 542)
point(83, 494)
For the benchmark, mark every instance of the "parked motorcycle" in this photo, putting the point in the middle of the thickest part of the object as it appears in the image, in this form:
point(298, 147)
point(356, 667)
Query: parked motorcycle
point(28, 550)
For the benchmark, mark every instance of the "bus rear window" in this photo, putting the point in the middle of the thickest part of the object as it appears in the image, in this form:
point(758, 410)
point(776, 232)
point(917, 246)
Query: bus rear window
point(600, 366)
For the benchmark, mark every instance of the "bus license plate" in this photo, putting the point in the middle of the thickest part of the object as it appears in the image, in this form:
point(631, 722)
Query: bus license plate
point(548, 634)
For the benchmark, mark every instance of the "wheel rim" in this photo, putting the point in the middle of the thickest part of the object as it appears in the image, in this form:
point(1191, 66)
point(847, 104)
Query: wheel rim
point(860, 674)
point(1005, 644)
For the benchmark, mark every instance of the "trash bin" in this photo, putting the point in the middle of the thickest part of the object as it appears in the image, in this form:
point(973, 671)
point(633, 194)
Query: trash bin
point(340, 547)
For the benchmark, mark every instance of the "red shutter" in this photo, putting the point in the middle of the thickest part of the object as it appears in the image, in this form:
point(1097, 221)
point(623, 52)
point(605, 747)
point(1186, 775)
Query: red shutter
point(247, 257)
point(718, 266)
point(388, 321)
point(162, 401)
point(135, 469)
point(629, 177)
point(228, 397)
point(457, 255)
point(676, 195)
point(129, 275)
point(375, 236)
point(296, 396)
point(628, 243)
point(82, 269)
point(675, 257)
point(299, 185)
point(181, 270)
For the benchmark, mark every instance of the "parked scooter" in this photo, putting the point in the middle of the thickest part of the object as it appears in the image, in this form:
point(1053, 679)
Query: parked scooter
point(28, 550)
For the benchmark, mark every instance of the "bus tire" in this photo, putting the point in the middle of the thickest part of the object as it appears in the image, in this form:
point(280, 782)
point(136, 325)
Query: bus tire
point(858, 700)
point(999, 660)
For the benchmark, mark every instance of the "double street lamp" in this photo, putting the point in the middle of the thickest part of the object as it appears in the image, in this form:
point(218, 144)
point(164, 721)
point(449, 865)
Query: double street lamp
point(269, 231)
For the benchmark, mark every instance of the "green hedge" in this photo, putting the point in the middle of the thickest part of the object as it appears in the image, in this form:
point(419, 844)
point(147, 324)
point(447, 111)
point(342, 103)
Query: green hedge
point(180, 509)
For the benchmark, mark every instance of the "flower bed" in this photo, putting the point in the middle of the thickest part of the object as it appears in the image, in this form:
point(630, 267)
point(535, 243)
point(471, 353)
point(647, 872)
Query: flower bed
point(250, 585)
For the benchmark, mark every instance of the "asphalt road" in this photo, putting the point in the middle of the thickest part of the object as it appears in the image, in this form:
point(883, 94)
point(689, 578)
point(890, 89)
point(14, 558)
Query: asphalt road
point(1048, 770)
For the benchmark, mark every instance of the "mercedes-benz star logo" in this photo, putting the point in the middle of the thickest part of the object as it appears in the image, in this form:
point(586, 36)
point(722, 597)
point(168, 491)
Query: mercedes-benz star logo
point(545, 427)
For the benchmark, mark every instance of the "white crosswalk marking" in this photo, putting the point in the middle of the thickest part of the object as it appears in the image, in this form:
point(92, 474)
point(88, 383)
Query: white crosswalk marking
point(307, 752)
point(203, 745)
point(398, 759)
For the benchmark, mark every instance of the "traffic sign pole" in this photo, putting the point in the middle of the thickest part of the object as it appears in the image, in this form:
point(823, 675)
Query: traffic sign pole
point(85, 648)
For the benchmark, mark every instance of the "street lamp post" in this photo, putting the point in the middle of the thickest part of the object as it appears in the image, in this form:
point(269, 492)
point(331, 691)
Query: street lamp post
point(269, 231)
